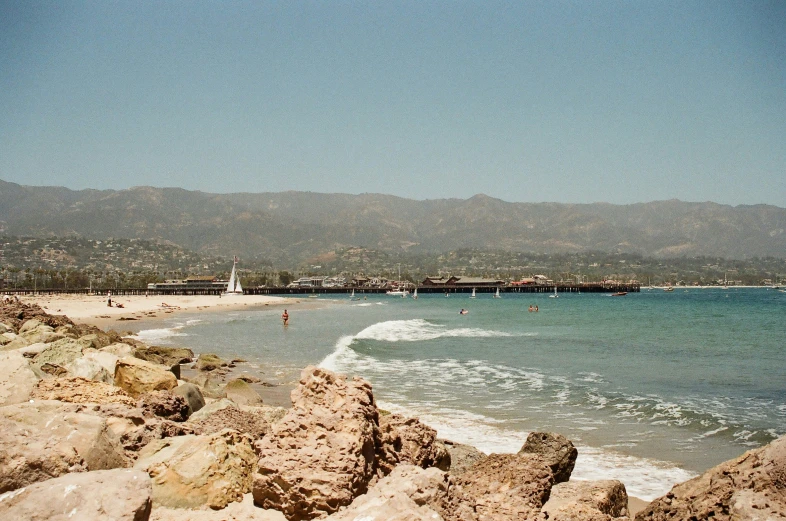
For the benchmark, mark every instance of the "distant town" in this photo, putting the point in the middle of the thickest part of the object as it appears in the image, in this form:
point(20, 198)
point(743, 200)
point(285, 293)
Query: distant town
point(78, 263)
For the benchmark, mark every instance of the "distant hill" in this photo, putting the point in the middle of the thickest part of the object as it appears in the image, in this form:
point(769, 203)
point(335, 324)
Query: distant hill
point(295, 226)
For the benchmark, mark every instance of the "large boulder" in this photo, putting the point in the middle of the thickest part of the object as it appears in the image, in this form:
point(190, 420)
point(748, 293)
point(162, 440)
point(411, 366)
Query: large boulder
point(103, 495)
point(406, 440)
point(556, 449)
point(505, 487)
point(80, 390)
point(192, 471)
point(35, 331)
point(137, 376)
point(209, 385)
point(192, 395)
point(119, 349)
point(89, 369)
point(321, 455)
point(409, 493)
point(752, 486)
point(211, 408)
point(241, 393)
point(17, 379)
point(59, 353)
point(587, 501)
point(44, 440)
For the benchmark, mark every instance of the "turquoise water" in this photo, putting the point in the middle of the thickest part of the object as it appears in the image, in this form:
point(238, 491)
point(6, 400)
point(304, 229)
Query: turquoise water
point(652, 387)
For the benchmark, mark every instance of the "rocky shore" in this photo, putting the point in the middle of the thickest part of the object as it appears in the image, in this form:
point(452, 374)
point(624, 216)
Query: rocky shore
point(95, 425)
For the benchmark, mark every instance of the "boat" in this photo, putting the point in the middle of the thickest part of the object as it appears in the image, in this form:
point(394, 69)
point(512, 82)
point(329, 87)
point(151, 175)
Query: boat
point(352, 295)
point(668, 288)
point(619, 294)
point(473, 293)
point(415, 294)
point(398, 292)
point(233, 286)
point(555, 293)
point(496, 295)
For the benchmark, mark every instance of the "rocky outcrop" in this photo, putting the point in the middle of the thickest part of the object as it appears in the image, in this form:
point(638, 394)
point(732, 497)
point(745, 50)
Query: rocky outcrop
point(15, 314)
point(117, 495)
point(89, 369)
point(137, 376)
point(17, 379)
point(504, 487)
point(192, 471)
point(80, 390)
point(406, 440)
point(408, 493)
point(35, 331)
point(587, 501)
point(752, 486)
point(46, 439)
point(556, 450)
point(59, 353)
point(320, 456)
point(209, 385)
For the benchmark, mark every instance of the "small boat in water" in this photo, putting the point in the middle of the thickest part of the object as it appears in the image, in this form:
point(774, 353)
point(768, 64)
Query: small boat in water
point(619, 294)
point(555, 293)
point(473, 293)
point(233, 286)
point(496, 295)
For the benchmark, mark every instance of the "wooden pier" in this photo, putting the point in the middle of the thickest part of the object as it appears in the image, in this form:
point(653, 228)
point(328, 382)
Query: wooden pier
point(592, 287)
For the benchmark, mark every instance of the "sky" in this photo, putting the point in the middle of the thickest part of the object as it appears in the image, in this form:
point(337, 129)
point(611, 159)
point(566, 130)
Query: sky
point(528, 101)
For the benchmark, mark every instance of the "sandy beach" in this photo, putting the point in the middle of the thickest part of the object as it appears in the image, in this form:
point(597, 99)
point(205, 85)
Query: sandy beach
point(93, 309)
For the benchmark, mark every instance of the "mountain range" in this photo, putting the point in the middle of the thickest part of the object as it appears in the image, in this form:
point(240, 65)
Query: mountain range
point(297, 226)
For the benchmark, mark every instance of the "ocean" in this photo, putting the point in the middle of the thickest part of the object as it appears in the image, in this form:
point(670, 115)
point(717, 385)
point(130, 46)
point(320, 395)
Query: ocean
point(653, 388)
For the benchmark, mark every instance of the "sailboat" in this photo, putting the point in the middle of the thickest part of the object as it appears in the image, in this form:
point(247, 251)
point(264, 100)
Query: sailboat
point(555, 293)
point(233, 286)
point(496, 295)
point(415, 294)
point(398, 291)
point(352, 295)
point(473, 293)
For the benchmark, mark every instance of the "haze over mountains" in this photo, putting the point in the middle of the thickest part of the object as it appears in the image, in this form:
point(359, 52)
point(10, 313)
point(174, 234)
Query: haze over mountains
point(295, 226)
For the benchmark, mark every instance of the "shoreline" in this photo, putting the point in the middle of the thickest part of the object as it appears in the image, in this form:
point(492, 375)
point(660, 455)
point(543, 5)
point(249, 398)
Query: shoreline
point(93, 309)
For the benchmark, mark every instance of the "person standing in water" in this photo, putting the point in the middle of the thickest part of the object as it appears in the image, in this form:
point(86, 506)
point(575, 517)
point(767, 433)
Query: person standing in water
point(285, 317)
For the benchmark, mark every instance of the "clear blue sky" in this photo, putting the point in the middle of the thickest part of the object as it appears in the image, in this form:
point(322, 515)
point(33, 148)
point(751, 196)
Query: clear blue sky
point(578, 102)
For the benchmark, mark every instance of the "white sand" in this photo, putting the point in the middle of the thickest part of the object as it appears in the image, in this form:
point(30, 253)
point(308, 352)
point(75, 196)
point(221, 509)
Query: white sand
point(93, 309)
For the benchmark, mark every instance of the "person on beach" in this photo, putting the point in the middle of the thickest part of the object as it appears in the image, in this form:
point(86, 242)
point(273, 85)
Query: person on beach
point(285, 317)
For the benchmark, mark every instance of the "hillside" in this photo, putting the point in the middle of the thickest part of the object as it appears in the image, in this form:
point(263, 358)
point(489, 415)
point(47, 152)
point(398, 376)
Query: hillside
point(293, 226)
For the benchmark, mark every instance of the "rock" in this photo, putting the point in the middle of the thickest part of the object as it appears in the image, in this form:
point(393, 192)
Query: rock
point(270, 413)
point(408, 493)
point(32, 350)
point(95, 340)
point(118, 349)
point(406, 440)
point(238, 511)
point(504, 487)
point(106, 359)
point(241, 393)
point(17, 379)
point(211, 408)
point(136, 376)
point(556, 449)
point(752, 486)
point(254, 425)
point(59, 353)
point(89, 369)
point(209, 362)
point(462, 456)
point(14, 314)
point(209, 386)
point(103, 495)
point(191, 471)
point(168, 356)
point(17, 342)
point(587, 501)
point(80, 390)
point(44, 440)
point(320, 456)
point(35, 331)
point(192, 395)
point(164, 404)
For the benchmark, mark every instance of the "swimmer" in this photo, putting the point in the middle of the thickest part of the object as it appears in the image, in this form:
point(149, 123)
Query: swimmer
point(463, 311)
point(285, 317)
